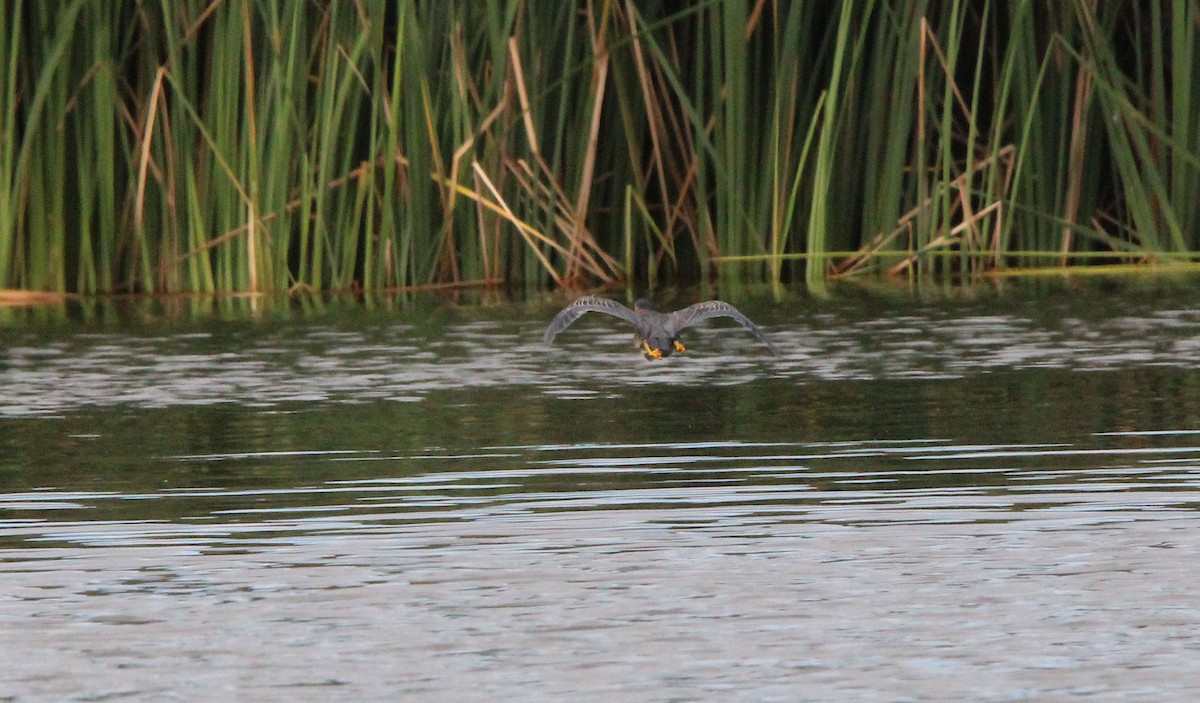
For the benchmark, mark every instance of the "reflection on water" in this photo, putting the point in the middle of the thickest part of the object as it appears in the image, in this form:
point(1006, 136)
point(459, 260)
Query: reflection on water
point(988, 501)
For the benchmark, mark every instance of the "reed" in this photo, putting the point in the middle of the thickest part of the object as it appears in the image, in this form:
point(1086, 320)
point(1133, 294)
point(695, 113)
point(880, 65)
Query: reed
point(251, 146)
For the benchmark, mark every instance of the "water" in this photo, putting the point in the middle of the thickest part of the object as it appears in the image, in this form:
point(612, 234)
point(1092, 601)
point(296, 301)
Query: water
point(988, 499)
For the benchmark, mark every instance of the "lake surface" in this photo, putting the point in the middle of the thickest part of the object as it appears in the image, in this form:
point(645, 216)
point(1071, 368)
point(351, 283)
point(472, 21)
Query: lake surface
point(984, 496)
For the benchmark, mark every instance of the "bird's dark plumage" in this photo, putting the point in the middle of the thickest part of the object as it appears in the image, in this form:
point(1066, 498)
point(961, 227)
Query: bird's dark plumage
point(657, 333)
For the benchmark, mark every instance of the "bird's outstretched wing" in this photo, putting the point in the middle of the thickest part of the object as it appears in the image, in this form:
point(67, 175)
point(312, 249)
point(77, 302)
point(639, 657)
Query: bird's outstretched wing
point(695, 314)
point(581, 306)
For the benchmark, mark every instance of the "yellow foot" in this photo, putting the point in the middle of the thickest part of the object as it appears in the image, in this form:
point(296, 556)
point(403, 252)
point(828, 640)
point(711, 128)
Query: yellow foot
point(651, 353)
point(679, 346)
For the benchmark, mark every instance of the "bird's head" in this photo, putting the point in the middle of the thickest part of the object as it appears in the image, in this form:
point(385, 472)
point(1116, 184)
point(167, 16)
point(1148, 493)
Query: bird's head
point(642, 305)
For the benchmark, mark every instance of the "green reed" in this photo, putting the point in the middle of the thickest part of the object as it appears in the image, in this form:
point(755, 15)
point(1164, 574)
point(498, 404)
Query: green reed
point(251, 146)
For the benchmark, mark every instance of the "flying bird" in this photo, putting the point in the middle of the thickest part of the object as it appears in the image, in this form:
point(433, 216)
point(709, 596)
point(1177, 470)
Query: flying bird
point(657, 333)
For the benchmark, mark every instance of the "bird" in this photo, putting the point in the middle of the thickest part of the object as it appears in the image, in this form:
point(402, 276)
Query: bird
point(657, 332)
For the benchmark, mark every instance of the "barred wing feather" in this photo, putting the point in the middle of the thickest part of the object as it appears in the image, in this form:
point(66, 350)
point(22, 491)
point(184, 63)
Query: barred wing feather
point(695, 314)
point(580, 307)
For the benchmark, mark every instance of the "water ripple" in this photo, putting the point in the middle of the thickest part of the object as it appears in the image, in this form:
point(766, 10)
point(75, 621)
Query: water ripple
point(703, 483)
point(316, 362)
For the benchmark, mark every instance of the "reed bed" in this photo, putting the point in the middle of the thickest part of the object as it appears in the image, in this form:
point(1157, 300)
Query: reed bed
point(251, 146)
